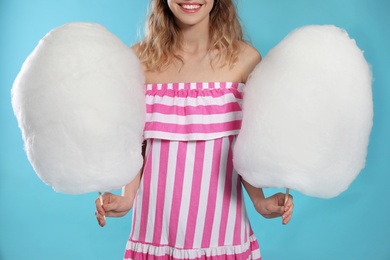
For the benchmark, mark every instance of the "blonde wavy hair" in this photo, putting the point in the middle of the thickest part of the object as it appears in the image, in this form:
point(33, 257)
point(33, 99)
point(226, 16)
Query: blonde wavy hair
point(163, 38)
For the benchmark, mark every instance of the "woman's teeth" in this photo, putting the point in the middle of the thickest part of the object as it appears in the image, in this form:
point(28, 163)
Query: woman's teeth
point(190, 7)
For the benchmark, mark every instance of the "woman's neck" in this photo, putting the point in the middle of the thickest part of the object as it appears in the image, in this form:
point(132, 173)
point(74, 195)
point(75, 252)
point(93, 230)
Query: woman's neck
point(195, 38)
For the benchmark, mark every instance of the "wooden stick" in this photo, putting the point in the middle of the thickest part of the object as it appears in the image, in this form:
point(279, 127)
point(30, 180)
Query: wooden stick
point(286, 196)
point(101, 201)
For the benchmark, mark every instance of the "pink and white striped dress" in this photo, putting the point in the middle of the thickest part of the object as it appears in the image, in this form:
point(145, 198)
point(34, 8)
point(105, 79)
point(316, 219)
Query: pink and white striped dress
point(190, 204)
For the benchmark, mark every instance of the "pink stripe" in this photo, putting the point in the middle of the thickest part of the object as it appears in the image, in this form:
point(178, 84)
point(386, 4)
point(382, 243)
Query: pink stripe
point(177, 191)
point(193, 110)
point(193, 128)
point(212, 196)
point(162, 180)
point(134, 216)
point(246, 234)
point(146, 195)
point(227, 194)
point(254, 246)
point(238, 223)
point(195, 194)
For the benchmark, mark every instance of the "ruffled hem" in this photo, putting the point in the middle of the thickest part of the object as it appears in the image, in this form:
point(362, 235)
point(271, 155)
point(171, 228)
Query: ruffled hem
point(141, 251)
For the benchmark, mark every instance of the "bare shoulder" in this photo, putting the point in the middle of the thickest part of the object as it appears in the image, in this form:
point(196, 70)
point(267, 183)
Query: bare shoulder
point(248, 58)
point(249, 52)
point(135, 48)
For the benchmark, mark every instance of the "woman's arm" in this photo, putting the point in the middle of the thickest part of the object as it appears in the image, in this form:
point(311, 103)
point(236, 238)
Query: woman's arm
point(248, 59)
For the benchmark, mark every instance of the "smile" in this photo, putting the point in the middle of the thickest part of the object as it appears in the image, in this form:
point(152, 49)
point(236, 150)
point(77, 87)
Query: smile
point(190, 7)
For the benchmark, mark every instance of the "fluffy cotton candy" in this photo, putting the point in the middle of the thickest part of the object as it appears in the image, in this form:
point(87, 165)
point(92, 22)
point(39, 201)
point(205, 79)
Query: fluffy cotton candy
point(79, 101)
point(307, 114)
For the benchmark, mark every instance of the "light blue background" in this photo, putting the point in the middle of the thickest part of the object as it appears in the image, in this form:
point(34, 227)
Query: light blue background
point(38, 223)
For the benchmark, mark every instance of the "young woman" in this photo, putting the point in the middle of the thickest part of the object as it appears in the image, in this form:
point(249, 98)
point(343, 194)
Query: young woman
point(188, 201)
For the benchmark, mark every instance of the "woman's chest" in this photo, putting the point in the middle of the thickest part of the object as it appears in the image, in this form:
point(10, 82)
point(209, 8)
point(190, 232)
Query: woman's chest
point(194, 72)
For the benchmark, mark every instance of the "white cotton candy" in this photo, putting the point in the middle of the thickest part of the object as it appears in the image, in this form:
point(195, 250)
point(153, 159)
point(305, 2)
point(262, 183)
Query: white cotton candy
point(79, 101)
point(307, 114)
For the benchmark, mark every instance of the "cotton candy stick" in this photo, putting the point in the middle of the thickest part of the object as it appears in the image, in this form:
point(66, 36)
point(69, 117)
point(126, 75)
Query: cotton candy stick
point(101, 202)
point(286, 195)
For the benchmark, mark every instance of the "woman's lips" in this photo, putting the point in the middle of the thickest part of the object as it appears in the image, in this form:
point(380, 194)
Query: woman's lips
point(190, 8)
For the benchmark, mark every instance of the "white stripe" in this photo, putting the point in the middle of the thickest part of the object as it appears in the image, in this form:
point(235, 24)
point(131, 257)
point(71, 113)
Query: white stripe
point(187, 137)
point(191, 101)
point(204, 189)
point(194, 119)
point(136, 215)
point(248, 227)
point(138, 203)
point(256, 254)
point(186, 195)
point(222, 183)
point(219, 201)
point(170, 183)
point(156, 150)
point(244, 219)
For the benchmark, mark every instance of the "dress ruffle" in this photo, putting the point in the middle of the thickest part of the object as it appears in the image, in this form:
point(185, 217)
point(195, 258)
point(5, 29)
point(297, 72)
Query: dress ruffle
point(193, 111)
point(142, 251)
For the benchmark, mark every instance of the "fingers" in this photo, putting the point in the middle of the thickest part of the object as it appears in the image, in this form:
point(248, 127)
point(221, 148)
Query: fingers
point(278, 205)
point(287, 217)
point(281, 199)
point(112, 205)
point(100, 218)
point(110, 208)
point(100, 212)
point(99, 207)
point(288, 210)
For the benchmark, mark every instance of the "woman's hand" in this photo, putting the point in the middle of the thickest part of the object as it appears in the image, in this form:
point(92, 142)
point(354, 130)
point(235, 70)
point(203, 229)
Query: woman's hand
point(113, 206)
point(275, 206)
